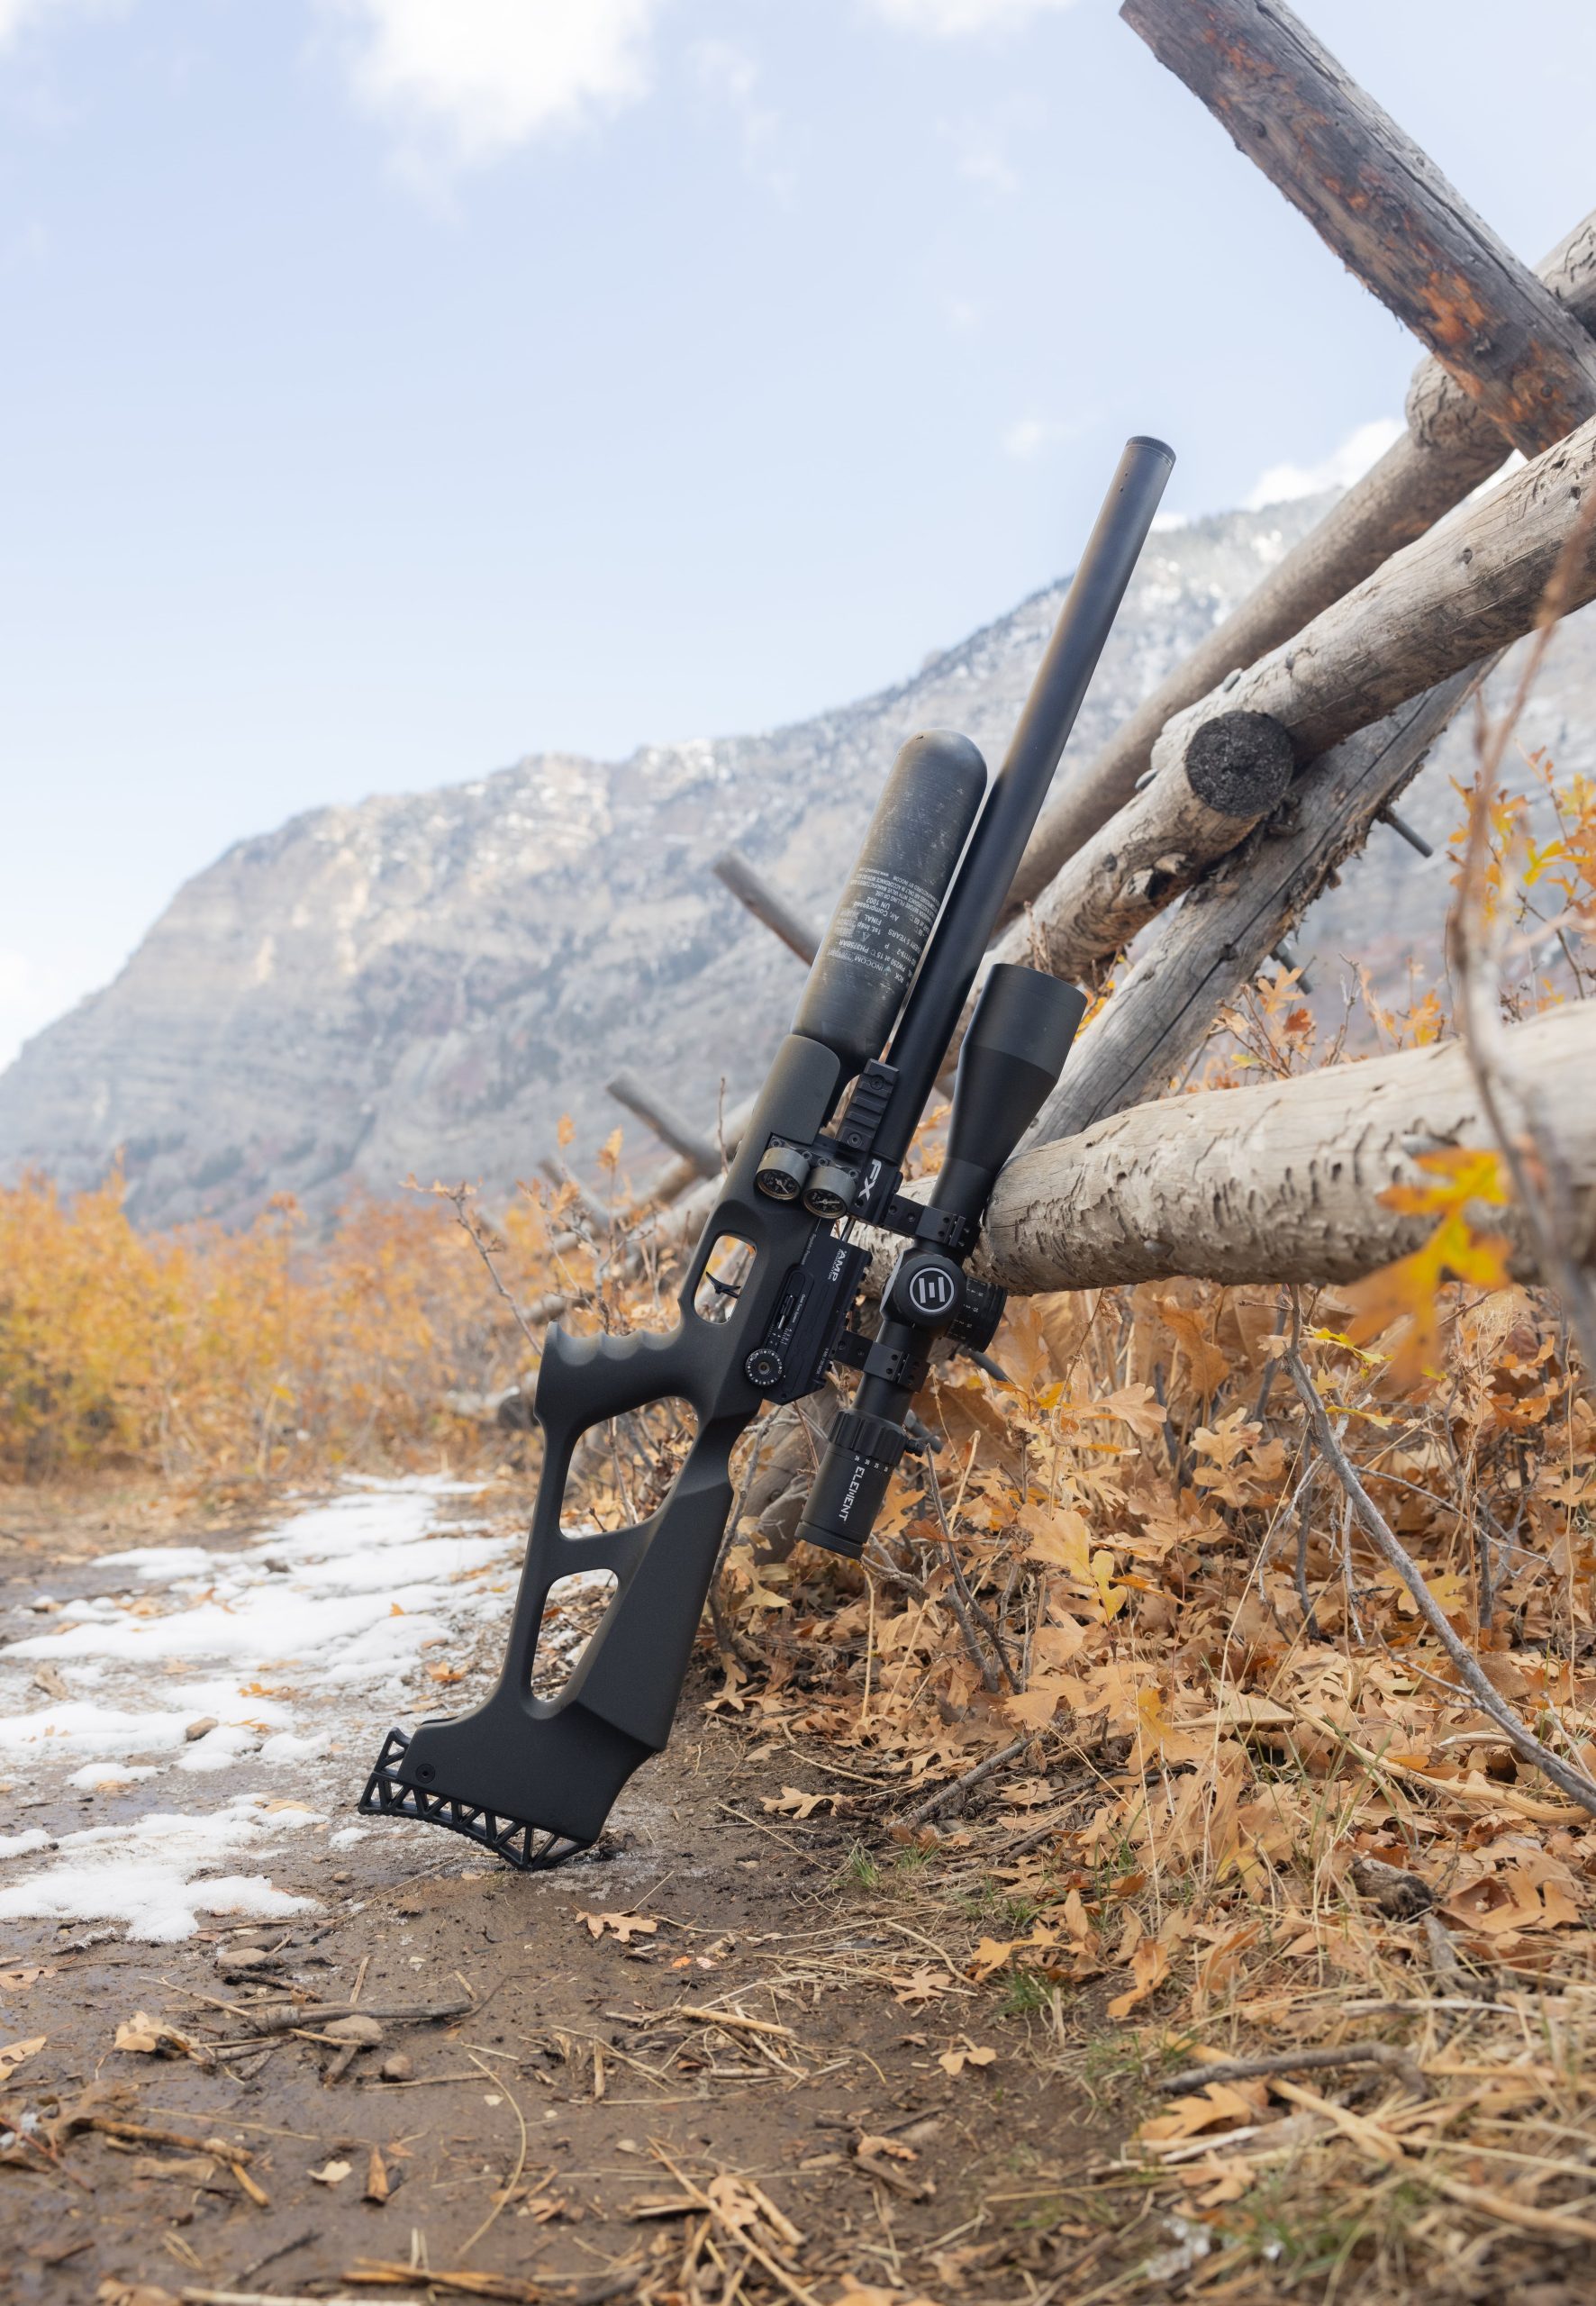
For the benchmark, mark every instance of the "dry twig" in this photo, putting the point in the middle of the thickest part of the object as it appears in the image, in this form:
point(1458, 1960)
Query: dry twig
point(1574, 1782)
point(1255, 2069)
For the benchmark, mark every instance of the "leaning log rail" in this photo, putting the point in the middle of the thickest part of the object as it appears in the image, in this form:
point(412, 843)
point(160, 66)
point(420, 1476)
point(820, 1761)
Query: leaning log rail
point(688, 1144)
point(766, 902)
point(1512, 362)
point(1204, 950)
point(1448, 449)
point(1383, 206)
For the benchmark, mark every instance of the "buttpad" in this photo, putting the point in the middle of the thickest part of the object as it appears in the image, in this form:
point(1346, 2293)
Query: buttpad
point(530, 1848)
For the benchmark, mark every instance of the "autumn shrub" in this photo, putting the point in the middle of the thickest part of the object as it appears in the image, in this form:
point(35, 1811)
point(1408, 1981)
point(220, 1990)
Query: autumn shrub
point(276, 1351)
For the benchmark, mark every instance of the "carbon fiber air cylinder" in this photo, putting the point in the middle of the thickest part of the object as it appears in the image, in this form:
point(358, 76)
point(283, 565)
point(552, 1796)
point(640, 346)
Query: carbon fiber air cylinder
point(872, 949)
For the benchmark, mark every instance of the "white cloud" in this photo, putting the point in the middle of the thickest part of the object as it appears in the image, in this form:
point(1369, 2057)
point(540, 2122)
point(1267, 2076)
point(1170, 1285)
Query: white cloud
point(1027, 436)
point(983, 160)
point(17, 15)
point(947, 19)
point(486, 76)
point(1278, 484)
point(729, 75)
point(727, 70)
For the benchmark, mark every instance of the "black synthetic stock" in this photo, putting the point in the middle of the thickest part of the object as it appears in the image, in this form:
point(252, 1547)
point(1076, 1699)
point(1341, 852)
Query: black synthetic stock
point(557, 1763)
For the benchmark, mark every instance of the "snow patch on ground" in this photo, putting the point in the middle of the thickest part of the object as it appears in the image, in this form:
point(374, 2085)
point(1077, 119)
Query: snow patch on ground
point(82, 1726)
point(100, 1778)
point(295, 1652)
point(153, 1875)
point(356, 1588)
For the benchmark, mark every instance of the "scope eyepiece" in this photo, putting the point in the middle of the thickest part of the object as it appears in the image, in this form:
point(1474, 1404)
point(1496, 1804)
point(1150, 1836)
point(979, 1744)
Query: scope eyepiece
point(851, 1484)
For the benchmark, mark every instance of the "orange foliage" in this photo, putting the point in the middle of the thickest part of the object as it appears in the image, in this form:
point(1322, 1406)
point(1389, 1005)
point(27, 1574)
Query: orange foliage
point(268, 1353)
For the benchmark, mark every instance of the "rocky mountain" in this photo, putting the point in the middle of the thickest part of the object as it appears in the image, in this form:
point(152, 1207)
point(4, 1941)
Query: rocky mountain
point(424, 984)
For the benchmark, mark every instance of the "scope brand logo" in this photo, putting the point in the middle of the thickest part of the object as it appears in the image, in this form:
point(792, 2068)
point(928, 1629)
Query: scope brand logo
point(930, 1292)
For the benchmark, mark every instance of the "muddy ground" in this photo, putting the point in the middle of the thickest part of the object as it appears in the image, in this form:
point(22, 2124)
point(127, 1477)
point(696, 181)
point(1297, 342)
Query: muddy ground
point(766, 2071)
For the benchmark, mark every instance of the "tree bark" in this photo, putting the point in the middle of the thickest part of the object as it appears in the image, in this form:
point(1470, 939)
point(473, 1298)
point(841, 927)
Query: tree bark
point(1207, 948)
point(1449, 448)
point(1383, 208)
point(1236, 770)
point(1279, 1183)
point(749, 886)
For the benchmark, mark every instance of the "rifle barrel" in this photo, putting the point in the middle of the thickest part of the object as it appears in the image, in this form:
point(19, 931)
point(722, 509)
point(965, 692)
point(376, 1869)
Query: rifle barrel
point(1016, 796)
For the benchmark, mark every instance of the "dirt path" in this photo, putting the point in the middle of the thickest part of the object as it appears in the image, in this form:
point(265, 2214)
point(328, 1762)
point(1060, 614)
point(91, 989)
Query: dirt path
point(768, 2071)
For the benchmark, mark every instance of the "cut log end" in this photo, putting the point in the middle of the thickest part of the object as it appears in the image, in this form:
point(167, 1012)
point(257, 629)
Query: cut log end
point(1239, 764)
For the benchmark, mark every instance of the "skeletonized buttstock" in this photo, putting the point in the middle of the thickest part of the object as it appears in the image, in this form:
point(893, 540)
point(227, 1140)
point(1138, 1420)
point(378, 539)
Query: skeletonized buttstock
point(531, 1777)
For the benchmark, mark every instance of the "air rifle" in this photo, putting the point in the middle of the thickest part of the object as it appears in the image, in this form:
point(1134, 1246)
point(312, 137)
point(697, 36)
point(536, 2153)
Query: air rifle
point(533, 1779)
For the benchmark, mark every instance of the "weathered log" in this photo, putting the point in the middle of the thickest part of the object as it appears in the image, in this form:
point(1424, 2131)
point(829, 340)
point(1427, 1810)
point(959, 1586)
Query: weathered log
point(1212, 797)
point(1449, 447)
point(1281, 1183)
point(667, 1124)
point(749, 886)
point(1466, 589)
point(1383, 208)
point(1214, 943)
point(593, 1210)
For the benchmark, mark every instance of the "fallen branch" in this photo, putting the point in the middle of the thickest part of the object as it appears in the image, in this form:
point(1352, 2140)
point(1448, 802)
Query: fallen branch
point(289, 2021)
point(1255, 2069)
point(387, 2273)
point(190, 2296)
point(1382, 2146)
point(729, 2018)
point(955, 1786)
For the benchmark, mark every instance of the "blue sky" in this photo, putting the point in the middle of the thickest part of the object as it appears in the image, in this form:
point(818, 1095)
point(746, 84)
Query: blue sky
point(394, 388)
